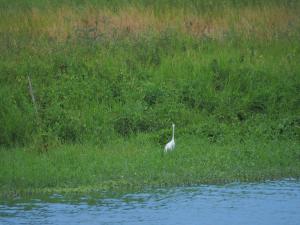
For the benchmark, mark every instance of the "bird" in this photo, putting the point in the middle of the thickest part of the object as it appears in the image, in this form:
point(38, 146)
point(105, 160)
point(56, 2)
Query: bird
point(171, 144)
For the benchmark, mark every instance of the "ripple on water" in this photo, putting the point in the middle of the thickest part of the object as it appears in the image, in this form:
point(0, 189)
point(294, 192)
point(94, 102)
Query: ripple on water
point(272, 202)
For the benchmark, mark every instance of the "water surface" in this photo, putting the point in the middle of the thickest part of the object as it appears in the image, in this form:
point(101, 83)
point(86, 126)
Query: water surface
point(273, 202)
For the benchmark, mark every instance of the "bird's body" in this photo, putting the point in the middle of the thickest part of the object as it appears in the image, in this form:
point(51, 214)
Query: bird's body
point(171, 145)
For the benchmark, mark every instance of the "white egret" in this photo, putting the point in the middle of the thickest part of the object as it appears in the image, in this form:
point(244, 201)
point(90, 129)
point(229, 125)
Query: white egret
point(171, 145)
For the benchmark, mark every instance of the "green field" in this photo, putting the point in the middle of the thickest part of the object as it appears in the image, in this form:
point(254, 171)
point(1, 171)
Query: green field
point(110, 77)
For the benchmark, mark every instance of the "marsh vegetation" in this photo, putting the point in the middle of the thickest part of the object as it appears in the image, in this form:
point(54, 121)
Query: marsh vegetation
point(109, 79)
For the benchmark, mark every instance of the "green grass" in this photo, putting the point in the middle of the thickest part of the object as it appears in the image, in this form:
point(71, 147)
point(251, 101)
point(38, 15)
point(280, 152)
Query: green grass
point(94, 92)
point(125, 165)
point(110, 78)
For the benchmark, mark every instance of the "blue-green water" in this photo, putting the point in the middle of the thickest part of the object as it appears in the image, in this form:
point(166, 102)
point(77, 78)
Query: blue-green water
point(274, 202)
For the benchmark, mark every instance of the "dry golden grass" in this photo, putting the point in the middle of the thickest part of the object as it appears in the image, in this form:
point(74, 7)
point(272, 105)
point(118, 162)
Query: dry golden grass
point(67, 22)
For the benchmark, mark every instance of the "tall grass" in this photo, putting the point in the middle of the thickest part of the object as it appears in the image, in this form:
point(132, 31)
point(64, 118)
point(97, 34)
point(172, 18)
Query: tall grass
point(110, 77)
point(264, 21)
point(94, 90)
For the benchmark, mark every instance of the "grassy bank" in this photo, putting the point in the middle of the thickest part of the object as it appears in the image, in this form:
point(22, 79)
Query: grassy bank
point(110, 78)
point(137, 164)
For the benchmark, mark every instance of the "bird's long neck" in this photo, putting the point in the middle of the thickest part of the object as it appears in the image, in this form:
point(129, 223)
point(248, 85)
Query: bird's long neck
point(173, 133)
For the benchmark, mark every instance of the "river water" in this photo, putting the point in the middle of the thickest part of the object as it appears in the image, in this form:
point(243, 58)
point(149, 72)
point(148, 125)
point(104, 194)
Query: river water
point(272, 202)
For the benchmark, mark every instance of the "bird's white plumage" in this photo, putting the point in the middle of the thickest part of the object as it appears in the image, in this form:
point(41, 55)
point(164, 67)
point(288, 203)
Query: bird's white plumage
point(171, 145)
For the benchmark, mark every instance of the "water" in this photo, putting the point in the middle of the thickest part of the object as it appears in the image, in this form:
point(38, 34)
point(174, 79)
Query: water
point(276, 202)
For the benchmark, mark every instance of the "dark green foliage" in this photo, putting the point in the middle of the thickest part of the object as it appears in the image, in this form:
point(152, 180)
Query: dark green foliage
point(16, 117)
point(129, 89)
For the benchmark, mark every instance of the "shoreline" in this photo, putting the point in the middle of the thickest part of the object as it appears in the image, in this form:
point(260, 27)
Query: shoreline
point(95, 169)
point(113, 187)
